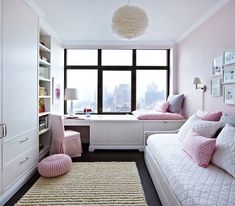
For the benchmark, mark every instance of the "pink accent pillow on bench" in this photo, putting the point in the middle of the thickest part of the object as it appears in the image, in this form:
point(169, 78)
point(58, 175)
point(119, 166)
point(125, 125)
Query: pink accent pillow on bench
point(209, 116)
point(199, 148)
point(162, 106)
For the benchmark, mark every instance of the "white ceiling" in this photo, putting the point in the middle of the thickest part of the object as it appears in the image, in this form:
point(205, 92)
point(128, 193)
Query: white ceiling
point(80, 22)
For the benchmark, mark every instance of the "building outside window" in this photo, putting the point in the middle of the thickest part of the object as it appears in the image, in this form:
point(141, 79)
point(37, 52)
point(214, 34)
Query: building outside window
point(117, 91)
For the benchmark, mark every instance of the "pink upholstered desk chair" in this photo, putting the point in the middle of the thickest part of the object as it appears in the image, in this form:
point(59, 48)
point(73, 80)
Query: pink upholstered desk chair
point(64, 141)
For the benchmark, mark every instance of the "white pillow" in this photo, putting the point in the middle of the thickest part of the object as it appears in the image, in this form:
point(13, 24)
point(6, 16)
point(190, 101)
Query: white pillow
point(224, 155)
point(204, 128)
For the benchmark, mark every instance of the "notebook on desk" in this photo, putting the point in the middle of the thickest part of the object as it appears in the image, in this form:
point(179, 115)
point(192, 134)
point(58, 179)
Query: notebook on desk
point(75, 117)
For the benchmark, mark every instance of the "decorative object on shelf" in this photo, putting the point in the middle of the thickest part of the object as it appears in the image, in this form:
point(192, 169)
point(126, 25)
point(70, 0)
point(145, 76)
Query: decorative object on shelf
point(88, 111)
point(217, 66)
point(42, 91)
point(43, 72)
point(197, 81)
point(229, 75)
point(41, 105)
point(216, 87)
point(229, 57)
point(44, 58)
point(71, 94)
point(129, 22)
point(229, 94)
point(43, 123)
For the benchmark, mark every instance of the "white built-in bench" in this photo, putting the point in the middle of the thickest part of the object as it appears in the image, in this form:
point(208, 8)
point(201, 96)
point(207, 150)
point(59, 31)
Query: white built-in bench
point(120, 131)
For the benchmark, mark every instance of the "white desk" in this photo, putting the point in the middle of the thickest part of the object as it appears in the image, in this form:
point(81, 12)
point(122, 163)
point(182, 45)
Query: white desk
point(120, 131)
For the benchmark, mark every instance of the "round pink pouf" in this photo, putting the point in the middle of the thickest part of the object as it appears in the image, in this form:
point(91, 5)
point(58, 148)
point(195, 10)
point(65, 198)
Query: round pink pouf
point(54, 165)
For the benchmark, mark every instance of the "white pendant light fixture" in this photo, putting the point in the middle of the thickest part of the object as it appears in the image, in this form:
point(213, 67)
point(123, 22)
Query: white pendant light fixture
point(129, 22)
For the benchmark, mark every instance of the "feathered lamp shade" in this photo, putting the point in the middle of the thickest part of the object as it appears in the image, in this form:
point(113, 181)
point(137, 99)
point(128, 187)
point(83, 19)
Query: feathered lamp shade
point(129, 22)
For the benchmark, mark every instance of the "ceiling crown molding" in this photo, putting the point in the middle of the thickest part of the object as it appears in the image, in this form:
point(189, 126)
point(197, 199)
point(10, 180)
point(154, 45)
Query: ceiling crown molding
point(203, 19)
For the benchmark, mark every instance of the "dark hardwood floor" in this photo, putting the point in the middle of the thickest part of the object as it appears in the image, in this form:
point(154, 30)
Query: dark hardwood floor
point(107, 155)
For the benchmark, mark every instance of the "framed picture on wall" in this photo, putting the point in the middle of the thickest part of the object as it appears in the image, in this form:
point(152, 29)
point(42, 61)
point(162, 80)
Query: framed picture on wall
point(216, 87)
point(229, 57)
point(229, 75)
point(229, 94)
point(217, 66)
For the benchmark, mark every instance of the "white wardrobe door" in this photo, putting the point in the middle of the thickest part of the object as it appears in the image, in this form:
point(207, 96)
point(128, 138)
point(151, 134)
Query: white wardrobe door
point(1, 95)
point(20, 50)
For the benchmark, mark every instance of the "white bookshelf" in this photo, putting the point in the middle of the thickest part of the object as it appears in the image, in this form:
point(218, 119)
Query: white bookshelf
point(44, 92)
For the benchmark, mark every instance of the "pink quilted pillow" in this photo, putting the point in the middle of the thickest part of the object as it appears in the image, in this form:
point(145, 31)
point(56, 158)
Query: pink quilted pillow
point(55, 165)
point(199, 148)
point(162, 107)
point(209, 116)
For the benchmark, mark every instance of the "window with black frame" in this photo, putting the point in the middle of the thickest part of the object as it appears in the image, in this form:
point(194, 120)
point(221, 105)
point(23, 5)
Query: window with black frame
point(117, 81)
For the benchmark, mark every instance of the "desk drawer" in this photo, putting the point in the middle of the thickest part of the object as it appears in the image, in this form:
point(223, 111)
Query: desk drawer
point(16, 168)
point(76, 122)
point(14, 147)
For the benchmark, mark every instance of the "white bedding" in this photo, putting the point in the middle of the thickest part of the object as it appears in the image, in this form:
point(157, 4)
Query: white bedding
point(193, 185)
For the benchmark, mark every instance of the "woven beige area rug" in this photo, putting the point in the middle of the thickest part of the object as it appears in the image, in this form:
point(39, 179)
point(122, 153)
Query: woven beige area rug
point(89, 183)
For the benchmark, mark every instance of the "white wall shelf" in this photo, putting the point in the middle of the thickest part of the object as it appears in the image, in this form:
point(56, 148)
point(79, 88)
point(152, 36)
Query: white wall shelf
point(43, 131)
point(44, 79)
point(43, 62)
point(44, 97)
point(44, 92)
point(41, 114)
point(43, 48)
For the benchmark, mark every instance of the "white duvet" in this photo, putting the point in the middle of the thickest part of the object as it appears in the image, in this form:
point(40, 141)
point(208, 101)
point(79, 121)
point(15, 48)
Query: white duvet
point(193, 185)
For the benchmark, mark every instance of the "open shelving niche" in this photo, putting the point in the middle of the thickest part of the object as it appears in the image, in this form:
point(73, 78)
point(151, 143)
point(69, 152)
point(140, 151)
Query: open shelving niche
point(44, 93)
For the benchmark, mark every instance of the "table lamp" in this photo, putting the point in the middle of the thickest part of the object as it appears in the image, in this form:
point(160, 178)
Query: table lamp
point(71, 94)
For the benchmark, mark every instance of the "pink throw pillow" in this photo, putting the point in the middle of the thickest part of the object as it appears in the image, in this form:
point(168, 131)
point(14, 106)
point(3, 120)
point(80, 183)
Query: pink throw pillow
point(199, 148)
point(209, 116)
point(162, 107)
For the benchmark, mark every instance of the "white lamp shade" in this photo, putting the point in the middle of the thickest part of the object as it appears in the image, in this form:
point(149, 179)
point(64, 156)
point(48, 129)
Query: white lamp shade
point(196, 80)
point(71, 94)
point(129, 22)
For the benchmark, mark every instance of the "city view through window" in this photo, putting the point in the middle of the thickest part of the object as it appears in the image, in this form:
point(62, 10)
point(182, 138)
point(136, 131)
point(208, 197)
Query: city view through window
point(150, 87)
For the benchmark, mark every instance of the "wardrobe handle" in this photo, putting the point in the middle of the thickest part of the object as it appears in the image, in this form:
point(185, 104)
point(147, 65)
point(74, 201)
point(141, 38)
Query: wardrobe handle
point(21, 141)
point(24, 161)
point(4, 130)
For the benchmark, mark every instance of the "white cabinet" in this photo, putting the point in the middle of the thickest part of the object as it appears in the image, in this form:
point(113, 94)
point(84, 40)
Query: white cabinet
point(1, 76)
point(116, 134)
point(125, 134)
point(19, 96)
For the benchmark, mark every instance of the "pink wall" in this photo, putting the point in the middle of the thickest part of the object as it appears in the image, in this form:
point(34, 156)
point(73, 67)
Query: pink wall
point(194, 55)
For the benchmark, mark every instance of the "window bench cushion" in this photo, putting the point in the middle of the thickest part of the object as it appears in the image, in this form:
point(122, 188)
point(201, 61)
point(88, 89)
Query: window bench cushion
point(154, 115)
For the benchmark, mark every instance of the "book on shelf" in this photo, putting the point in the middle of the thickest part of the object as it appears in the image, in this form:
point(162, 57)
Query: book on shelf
point(41, 106)
point(43, 123)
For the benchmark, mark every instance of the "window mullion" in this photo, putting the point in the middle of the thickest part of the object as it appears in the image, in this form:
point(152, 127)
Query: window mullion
point(100, 83)
point(133, 82)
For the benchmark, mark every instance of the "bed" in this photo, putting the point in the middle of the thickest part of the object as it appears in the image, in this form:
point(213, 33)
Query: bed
point(179, 181)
